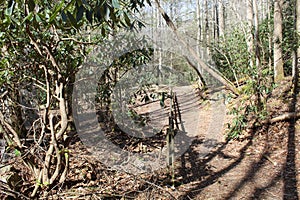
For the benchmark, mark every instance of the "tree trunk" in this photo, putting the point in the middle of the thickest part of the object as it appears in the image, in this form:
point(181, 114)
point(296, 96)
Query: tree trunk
point(257, 53)
point(193, 53)
point(159, 69)
point(296, 51)
point(199, 31)
point(298, 31)
point(269, 34)
point(206, 29)
point(215, 21)
point(250, 38)
point(256, 36)
point(221, 18)
point(211, 21)
point(278, 61)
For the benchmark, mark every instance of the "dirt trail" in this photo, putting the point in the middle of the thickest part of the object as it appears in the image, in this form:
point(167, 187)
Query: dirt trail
point(197, 119)
point(201, 119)
point(265, 165)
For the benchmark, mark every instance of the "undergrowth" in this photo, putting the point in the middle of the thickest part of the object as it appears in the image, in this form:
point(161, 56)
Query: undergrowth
point(250, 110)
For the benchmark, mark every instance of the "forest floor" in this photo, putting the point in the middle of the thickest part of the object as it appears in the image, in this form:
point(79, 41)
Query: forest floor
point(263, 164)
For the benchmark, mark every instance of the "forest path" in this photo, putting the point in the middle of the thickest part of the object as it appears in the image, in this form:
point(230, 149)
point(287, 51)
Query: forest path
point(201, 118)
point(265, 165)
point(197, 118)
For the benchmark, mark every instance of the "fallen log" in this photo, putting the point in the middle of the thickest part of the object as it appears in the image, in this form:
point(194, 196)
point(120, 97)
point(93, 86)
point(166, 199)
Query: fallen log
point(282, 117)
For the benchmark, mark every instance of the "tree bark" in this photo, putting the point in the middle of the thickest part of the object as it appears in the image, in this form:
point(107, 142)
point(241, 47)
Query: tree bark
point(159, 25)
point(215, 20)
point(298, 31)
point(278, 61)
point(199, 32)
point(250, 37)
point(269, 34)
point(296, 51)
point(283, 117)
point(295, 54)
point(221, 18)
point(206, 28)
point(256, 37)
point(199, 27)
point(257, 53)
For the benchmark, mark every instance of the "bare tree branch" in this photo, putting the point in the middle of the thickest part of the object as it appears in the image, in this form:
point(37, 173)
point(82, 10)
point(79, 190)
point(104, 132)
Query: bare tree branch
point(169, 22)
point(16, 137)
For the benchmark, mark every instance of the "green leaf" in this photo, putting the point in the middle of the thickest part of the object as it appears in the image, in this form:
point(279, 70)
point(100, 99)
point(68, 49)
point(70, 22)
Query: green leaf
point(31, 5)
point(107, 13)
point(38, 18)
point(64, 16)
point(86, 5)
point(78, 3)
point(10, 9)
point(84, 2)
point(28, 17)
point(57, 9)
point(127, 20)
point(79, 13)
point(115, 4)
point(113, 16)
point(72, 19)
point(103, 31)
point(89, 16)
point(98, 13)
point(70, 5)
point(7, 20)
point(17, 152)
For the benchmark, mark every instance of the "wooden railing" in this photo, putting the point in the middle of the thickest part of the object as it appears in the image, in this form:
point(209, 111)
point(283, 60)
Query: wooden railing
point(172, 127)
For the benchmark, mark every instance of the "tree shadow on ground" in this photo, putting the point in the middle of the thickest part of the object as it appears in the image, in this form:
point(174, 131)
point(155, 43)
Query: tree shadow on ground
point(195, 168)
point(199, 171)
point(198, 168)
point(290, 172)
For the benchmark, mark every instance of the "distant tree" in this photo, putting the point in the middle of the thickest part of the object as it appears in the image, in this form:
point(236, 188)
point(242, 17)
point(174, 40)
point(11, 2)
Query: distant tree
point(250, 27)
point(221, 18)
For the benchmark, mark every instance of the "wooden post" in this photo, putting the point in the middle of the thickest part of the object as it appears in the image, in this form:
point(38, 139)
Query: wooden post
point(170, 138)
point(170, 135)
point(170, 142)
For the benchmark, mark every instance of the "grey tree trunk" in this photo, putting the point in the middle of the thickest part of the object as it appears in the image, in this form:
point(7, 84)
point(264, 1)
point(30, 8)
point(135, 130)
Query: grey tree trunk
point(269, 34)
point(250, 38)
point(221, 17)
point(256, 36)
point(159, 69)
point(206, 29)
point(199, 31)
point(278, 61)
point(296, 53)
point(215, 21)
